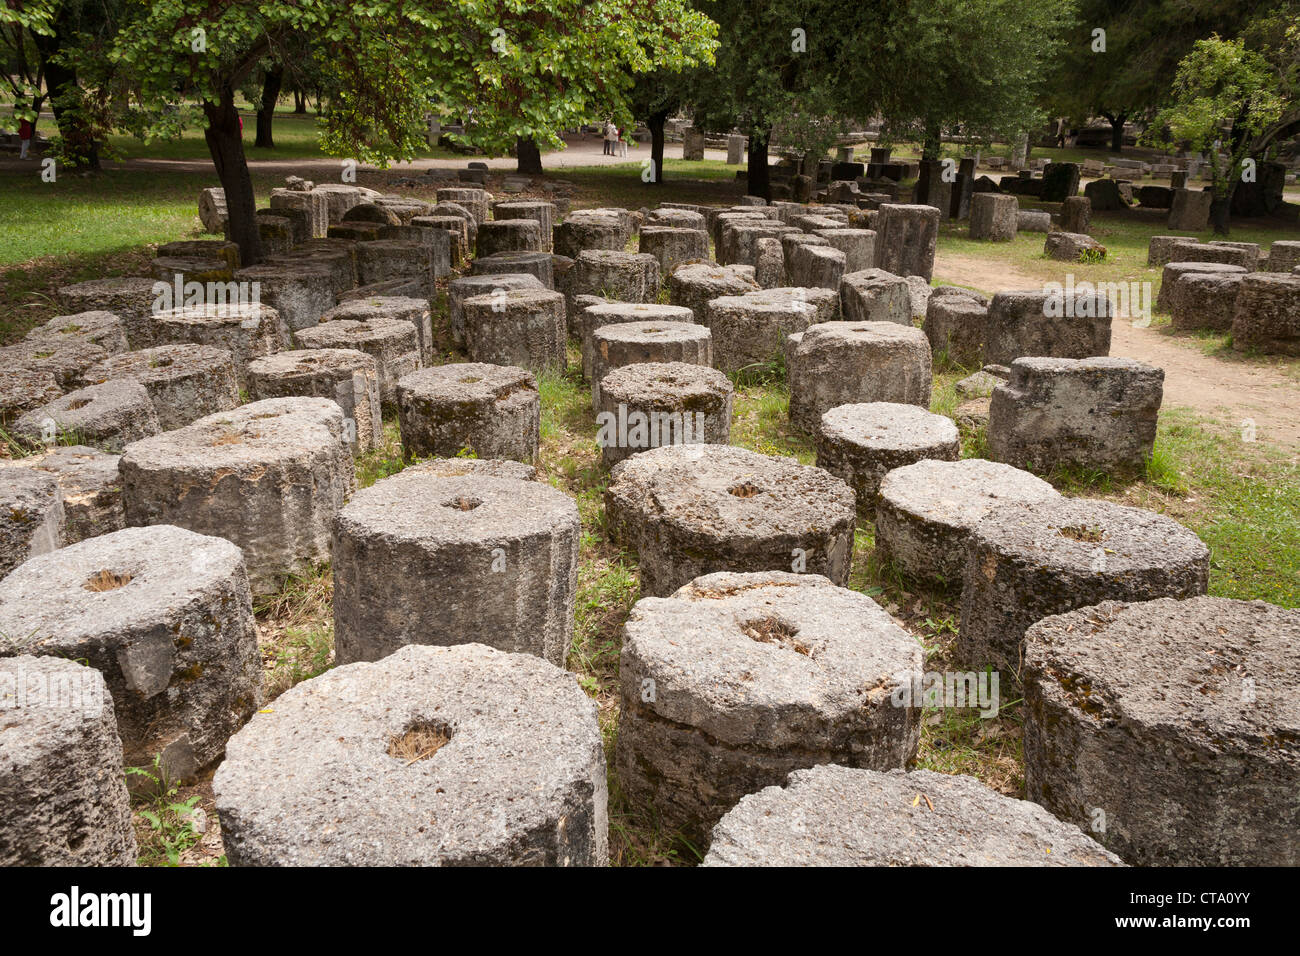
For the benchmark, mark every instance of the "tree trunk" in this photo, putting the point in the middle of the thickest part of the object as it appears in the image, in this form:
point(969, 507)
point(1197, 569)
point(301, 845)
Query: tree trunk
point(226, 147)
point(655, 122)
point(1116, 131)
point(79, 145)
point(266, 112)
point(932, 144)
point(758, 181)
point(529, 156)
point(299, 101)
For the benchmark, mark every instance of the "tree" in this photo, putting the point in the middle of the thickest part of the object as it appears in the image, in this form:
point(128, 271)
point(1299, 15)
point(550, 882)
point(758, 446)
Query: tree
point(526, 69)
point(968, 74)
point(1224, 96)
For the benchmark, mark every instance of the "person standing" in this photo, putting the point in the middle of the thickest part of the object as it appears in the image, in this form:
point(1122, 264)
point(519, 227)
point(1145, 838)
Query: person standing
point(609, 138)
point(25, 133)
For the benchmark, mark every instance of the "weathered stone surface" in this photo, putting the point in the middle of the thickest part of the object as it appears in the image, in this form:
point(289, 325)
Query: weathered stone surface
point(523, 327)
point(444, 208)
point(247, 332)
point(651, 404)
point(1071, 246)
point(750, 330)
point(1173, 270)
point(108, 416)
point(213, 212)
point(1069, 323)
point(1033, 220)
point(769, 264)
point(677, 218)
point(184, 382)
point(31, 517)
point(268, 476)
point(905, 239)
point(539, 264)
point(333, 255)
point(339, 198)
point(858, 246)
point(863, 443)
point(393, 343)
point(840, 816)
point(422, 559)
point(956, 327)
point(100, 328)
point(1076, 214)
point(374, 213)
point(348, 377)
point(62, 784)
point(1060, 182)
point(1190, 210)
point(740, 235)
point(1243, 254)
point(1204, 300)
point(813, 267)
point(520, 782)
point(487, 467)
point(615, 344)
point(751, 676)
point(166, 617)
point(1283, 256)
point(474, 200)
point(1267, 314)
point(66, 361)
point(694, 286)
point(1105, 195)
point(89, 487)
point(1095, 413)
point(458, 290)
point(842, 363)
point(1025, 562)
point(1160, 249)
point(23, 390)
point(509, 235)
point(875, 295)
point(601, 313)
point(622, 276)
point(591, 229)
point(493, 411)
point(926, 511)
point(131, 300)
point(541, 212)
point(673, 247)
point(1173, 718)
point(723, 218)
point(994, 217)
point(458, 246)
point(300, 292)
point(410, 308)
point(689, 510)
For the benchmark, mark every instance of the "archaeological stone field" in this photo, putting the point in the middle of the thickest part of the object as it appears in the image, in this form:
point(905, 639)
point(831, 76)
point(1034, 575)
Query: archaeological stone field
point(689, 434)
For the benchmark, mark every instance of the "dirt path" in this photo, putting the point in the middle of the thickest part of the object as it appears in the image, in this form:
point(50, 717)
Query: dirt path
point(1230, 392)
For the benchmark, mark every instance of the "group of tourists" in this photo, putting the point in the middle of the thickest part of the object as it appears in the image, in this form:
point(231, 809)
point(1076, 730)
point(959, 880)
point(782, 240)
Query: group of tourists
point(615, 140)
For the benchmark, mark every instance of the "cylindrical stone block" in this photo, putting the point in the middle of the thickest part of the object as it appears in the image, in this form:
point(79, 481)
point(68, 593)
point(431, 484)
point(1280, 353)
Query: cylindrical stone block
point(347, 376)
point(626, 343)
point(1176, 720)
point(247, 332)
point(844, 363)
point(184, 382)
point(993, 217)
point(413, 310)
point(387, 259)
point(32, 521)
point(394, 344)
point(1267, 314)
point(131, 300)
point(108, 416)
point(749, 331)
point(520, 327)
point(956, 326)
point(443, 756)
point(300, 292)
point(689, 510)
point(839, 816)
point(621, 276)
point(89, 485)
point(268, 476)
point(165, 615)
point(1074, 324)
point(694, 286)
point(862, 443)
point(509, 235)
point(542, 212)
point(420, 559)
point(673, 247)
point(926, 511)
point(96, 328)
point(1025, 562)
point(735, 680)
point(905, 239)
point(539, 264)
point(588, 320)
point(474, 200)
point(465, 287)
point(652, 404)
point(492, 411)
point(858, 246)
point(63, 793)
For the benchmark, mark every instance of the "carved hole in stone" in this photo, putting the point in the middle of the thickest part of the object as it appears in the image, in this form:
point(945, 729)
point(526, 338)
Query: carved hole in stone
point(773, 630)
point(1082, 533)
point(745, 489)
point(79, 403)
point(106, 580)
point(420, 741)
point(463, 503)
